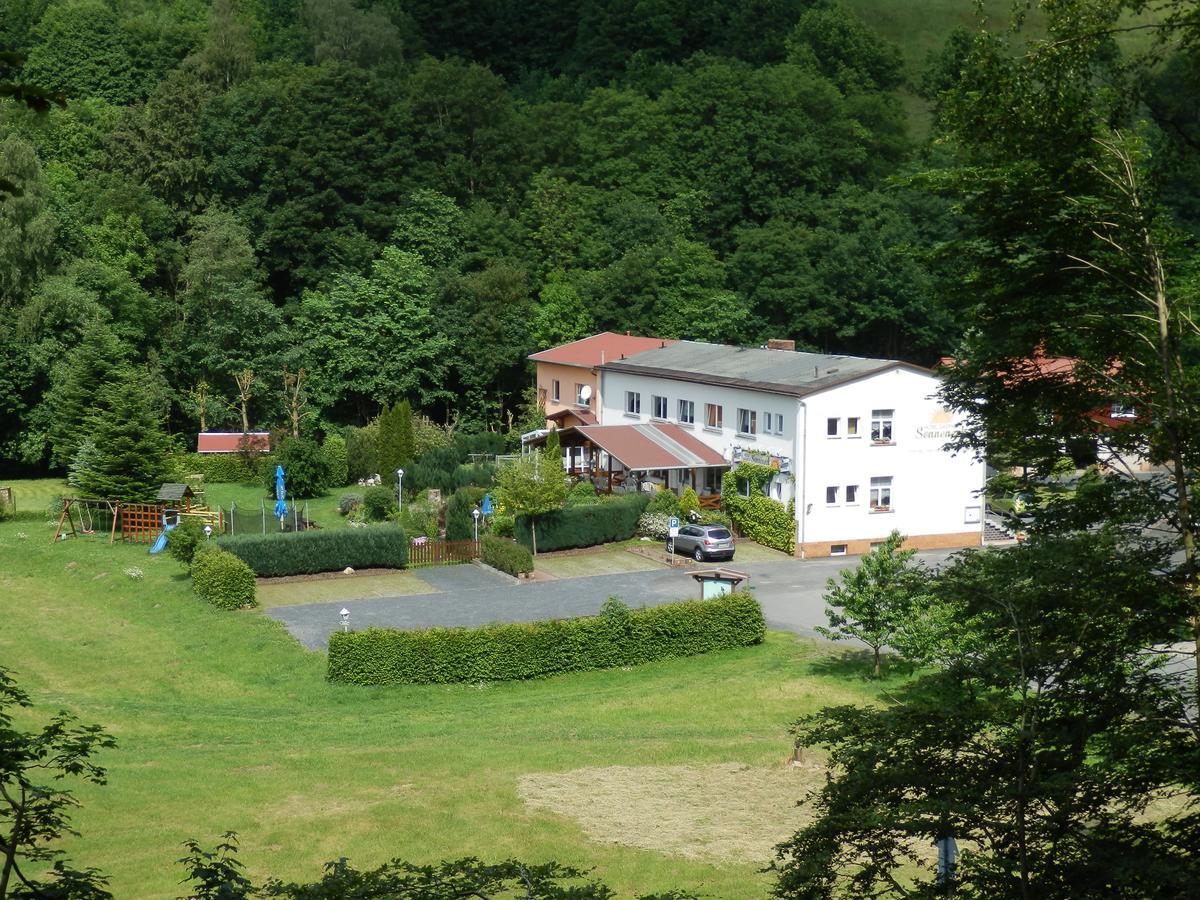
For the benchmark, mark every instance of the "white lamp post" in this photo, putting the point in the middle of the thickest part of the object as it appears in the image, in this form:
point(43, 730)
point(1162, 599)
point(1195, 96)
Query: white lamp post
point(400, 489)
point(207, 531)
point(345, 614)
point(475, 513)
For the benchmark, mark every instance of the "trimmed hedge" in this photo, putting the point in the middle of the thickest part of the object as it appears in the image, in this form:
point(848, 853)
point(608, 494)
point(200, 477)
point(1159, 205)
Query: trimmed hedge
point(617, 637)
point(218, 468)
point(222, 579)
point(505, 555)
point(305, 552)
point(585, 526)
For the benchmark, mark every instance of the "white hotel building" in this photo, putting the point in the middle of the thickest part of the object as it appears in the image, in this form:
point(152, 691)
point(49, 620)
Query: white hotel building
point(859, 443)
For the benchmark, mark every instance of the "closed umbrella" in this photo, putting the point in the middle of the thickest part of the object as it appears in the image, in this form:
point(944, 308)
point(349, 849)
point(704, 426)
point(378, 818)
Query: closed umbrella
point(281, 507)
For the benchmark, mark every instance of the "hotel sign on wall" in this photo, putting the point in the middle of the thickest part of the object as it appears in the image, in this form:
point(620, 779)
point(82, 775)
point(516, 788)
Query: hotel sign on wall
point(939, 428)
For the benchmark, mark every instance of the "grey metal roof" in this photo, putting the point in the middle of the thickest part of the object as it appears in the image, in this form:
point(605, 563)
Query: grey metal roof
point(777, 371)
point(173, 491)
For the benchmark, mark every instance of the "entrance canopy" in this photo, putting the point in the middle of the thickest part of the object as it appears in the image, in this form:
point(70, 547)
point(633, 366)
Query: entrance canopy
point(642, 448)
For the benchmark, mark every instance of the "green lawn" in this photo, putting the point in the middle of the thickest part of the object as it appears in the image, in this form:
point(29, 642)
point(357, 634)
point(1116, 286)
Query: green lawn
point(341, 587)
point(251, 497)
point(611, 559)
point(224, 722)
point(36, 494)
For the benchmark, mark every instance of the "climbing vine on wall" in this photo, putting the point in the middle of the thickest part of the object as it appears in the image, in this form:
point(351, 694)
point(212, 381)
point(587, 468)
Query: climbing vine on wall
point(758, 517)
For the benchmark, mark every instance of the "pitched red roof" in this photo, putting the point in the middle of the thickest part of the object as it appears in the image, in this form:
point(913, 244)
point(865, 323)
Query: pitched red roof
point(593, 351)
point(229, 441)
point(584, 415)
point(658, 445)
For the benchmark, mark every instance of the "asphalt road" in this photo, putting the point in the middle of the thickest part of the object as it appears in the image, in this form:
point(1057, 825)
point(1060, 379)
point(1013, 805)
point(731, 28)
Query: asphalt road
point(790, 592)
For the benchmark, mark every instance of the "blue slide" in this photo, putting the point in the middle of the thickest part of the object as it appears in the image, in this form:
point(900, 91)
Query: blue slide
point(160, 543)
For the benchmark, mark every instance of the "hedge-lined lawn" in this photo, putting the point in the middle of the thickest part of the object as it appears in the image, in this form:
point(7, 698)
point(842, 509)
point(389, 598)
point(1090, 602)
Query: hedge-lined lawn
point(249, 497)
point(224, 722)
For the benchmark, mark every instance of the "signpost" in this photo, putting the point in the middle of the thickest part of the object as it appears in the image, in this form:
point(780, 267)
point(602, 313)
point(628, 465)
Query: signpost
point(672, 531)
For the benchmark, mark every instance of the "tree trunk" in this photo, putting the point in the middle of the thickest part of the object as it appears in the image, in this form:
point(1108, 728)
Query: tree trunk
point(533, 533)
point(878, 670)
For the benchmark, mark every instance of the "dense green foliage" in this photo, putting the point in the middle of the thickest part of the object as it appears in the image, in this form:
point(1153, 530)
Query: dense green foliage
point(305, 552)
point(184, 538)
point(614, 519)
point(404, 202)
point(531, 486)
point(229, 468)
point(505, 555)
point(221, 578)
point(617, 637)
point(305, 468)
point(379, 503)
point(757, 516)
point(460, 520)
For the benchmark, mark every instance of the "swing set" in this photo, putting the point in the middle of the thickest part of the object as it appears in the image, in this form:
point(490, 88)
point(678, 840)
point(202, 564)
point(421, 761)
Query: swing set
point(139, 523)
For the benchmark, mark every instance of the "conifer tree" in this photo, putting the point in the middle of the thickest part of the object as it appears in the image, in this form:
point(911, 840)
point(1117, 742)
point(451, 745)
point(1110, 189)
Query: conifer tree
point(77, 381)
point(129, 461)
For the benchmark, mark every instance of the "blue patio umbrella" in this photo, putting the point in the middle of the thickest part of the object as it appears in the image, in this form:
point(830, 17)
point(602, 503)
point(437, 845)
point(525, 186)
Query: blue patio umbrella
point(281, 507)
point(487, 504)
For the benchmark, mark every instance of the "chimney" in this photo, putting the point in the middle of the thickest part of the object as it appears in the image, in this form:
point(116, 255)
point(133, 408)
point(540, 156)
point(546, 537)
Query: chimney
point(780, 344)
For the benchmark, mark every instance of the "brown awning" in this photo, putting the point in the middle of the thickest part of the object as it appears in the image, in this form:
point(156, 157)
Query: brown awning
point(642, 447)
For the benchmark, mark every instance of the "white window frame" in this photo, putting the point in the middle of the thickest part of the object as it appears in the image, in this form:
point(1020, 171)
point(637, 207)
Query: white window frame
point(831, 495)
point(633, 403)
point(747, 417)
point(555, 391)
point(881, 488)
point(837, 549)
point(883, 426)
point(657, 401)
point(772, 423)
point(852, 495)
point(852, 429)
point(833, 427)
point(715, 422)
point(687, 412)
point(579, 401)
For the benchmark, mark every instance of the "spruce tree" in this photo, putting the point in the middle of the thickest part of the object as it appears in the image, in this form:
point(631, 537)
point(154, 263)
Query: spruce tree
point(131, 447)
point(78, 379)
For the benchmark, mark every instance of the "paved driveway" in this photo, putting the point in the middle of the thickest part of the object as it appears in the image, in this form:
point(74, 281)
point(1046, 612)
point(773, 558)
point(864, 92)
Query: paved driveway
point(789, 590)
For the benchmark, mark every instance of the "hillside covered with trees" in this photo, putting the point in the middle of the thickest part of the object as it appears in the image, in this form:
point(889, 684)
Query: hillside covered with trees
point(404, 199)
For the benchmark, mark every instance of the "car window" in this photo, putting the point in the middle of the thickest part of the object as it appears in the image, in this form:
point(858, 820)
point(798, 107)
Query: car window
point(719, 533)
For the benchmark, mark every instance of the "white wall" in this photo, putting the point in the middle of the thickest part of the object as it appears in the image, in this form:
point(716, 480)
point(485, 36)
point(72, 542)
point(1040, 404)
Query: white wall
point(723, 440)
point(932, 491)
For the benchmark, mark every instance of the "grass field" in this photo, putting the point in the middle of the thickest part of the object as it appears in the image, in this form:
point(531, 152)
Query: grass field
point(224, 722)
point(288, 592)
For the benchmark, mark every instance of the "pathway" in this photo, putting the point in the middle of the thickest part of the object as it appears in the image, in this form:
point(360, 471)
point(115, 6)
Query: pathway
point(789, 590)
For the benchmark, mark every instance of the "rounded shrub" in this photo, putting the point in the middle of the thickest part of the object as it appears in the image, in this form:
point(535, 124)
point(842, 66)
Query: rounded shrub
point(460, 520)
point(221, 578)
point(582, 493)
point(378, 503)
point(664, 501)
point(347, 503)
point(305, 469)
point(689, 505)
point(184, 538)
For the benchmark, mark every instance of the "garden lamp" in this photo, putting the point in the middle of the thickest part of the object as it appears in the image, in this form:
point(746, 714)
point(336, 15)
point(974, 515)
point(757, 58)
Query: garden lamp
point(475, 513)
point(345, 614)
point(400, 489)
point(207, 531)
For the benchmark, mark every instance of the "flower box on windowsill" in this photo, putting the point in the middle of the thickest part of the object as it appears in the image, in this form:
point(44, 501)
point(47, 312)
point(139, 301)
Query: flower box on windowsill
point(878, 443)
point(881, 509)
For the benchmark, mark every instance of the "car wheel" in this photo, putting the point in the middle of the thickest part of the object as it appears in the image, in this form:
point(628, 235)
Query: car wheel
point(698, 555)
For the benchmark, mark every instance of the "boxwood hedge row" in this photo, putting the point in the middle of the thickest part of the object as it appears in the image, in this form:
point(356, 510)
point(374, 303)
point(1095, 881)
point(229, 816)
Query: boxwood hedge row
point(617, 637)
point(585, 526)
point(505, 555)
point(305, 552)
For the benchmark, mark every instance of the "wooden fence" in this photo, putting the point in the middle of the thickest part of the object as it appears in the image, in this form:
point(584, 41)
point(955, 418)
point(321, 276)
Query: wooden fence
point(440, 553)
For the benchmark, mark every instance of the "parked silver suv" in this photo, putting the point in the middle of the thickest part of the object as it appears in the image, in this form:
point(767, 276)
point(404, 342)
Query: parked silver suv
point(702, 542)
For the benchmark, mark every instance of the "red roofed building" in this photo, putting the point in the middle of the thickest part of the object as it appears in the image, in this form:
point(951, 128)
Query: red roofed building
point(230, 441)
point(567, 384)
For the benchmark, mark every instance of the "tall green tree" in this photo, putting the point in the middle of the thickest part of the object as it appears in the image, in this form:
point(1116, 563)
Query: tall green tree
point(876, 601)
point(78, 379)
point(375, 339)
point(1038, 739)
point(35, 807)
point(532, 485)
point(27, 222)
point(81, 50)
point(130, 444)
point(395, 441)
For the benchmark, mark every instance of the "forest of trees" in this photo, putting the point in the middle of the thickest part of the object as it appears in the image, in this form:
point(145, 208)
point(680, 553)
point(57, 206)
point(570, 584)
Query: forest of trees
point(404, 199)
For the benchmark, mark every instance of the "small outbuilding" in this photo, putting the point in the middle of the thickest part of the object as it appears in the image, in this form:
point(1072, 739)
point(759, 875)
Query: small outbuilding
point(719, 582)
point(232, 441)
point(176, 495)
